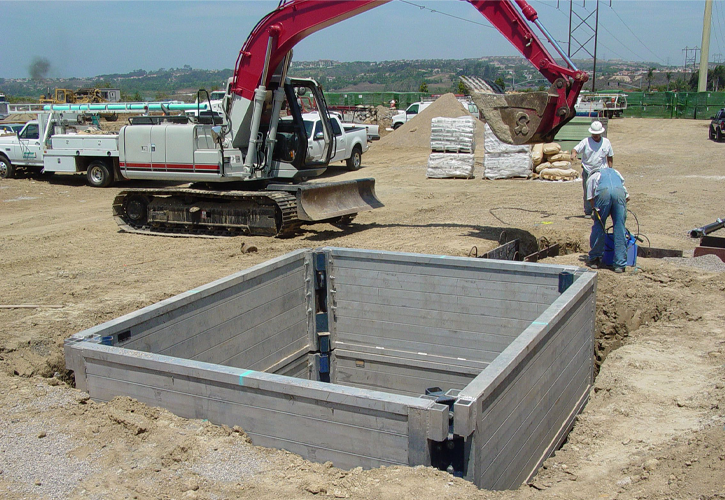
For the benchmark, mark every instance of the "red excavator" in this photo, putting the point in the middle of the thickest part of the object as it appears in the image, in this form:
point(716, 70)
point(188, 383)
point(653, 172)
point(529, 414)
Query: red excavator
point(258, 147)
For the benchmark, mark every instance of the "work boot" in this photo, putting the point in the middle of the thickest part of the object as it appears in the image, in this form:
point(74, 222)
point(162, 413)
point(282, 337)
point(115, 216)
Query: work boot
point(594, 263)
point(619, 270)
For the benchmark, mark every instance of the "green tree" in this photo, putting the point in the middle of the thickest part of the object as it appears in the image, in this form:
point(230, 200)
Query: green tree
point(461, 89)
point(650, 75)
point(668, 75)
point(424, 87)
point(499, 81)
point(137, 97)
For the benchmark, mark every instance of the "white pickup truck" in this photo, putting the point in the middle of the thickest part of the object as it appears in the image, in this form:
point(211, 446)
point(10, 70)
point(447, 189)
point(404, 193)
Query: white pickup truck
point(401, 117)
point(350, 141)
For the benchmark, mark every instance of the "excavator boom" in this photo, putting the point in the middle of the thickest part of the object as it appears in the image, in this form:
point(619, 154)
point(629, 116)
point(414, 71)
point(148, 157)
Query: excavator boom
point(517, 119)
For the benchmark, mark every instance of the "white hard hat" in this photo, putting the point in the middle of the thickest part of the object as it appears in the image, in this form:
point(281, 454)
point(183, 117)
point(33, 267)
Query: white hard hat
point(597, 128)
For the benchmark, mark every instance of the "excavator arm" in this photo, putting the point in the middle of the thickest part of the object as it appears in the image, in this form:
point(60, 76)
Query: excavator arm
point(514, 118)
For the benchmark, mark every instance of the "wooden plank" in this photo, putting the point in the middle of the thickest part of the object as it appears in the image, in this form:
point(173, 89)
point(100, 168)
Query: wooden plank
point(470, 286)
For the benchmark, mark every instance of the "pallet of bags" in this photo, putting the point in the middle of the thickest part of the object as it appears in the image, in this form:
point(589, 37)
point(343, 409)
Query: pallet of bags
point(507, 165)
point(453, 135)
point(504, 161)
point(450, 165)
point(551, 163)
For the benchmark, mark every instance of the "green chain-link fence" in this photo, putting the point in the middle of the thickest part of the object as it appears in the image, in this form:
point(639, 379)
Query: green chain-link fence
point(694, 105)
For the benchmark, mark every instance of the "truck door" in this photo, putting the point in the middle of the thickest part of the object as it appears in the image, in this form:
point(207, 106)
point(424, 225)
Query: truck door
point(338, 139)
point(29, 145)
point(411, 112)
point(316, 140)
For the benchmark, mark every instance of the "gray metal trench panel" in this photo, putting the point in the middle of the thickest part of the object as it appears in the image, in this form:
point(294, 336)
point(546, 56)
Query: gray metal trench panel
point(253, 319)
point(520, 409)
point(513, 351)
point(395, 312)
point(319, 421)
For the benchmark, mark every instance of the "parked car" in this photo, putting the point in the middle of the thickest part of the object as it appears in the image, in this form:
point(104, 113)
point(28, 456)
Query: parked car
point(717, 125)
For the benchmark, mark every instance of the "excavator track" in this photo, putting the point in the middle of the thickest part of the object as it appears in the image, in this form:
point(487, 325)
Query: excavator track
point(205, 213)
point(278, 210)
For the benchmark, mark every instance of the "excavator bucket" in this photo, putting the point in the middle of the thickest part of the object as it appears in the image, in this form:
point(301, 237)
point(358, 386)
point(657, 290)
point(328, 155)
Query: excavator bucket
point(525, 118)
point(318, 201)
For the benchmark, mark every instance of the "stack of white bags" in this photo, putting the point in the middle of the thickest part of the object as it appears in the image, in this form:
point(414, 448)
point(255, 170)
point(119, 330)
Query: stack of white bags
point(453, 144)
point(503, 160)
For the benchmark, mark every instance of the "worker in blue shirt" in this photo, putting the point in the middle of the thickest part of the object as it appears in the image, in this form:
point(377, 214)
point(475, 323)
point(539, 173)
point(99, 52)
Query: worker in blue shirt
point(608, 197)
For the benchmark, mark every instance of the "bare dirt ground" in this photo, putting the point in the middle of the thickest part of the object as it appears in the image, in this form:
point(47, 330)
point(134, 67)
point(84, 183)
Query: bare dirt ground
point(653, 428)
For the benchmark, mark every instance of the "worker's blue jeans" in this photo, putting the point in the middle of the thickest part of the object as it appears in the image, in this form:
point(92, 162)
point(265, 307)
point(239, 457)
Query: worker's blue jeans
point(610, 203)
point(587, 206)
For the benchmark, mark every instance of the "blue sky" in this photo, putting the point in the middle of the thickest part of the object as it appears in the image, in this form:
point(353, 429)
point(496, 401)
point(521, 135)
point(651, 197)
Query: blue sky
point(99, 37)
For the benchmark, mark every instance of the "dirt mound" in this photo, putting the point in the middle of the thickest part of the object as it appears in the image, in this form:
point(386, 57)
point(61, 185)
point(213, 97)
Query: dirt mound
point(416, 133)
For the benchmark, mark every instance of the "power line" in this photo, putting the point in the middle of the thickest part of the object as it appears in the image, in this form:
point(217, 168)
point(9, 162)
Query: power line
point(635, 35)
point(434, 11)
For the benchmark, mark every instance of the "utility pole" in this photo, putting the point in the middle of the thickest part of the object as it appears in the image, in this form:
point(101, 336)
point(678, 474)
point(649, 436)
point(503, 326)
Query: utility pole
point(705, 50)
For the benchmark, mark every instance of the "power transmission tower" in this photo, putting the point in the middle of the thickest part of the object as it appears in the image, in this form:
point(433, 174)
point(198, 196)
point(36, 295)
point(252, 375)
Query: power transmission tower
point(690, 60)
point(583, 32)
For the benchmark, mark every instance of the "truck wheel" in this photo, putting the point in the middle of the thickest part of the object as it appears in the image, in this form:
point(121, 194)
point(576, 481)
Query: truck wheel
point(718, 136)
point(712, 134)
point(397, 126)
point(99, 174)
point(355, 160)
point(7, 170)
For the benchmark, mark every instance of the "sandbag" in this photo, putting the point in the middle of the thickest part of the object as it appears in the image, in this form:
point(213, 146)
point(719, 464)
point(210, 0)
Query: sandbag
point(537, 153)
point(551, 148)
point(558, 174)
point(564, 165)
point(543, 166)
point(563, 156)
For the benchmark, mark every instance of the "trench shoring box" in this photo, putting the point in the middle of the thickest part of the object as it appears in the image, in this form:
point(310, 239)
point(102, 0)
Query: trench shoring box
point(367, 358)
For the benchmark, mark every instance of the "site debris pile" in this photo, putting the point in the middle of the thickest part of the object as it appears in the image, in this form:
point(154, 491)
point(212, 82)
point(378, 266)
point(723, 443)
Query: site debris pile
point(504, 161)
point(416, 132)
point(551, 163)
point(452, 142)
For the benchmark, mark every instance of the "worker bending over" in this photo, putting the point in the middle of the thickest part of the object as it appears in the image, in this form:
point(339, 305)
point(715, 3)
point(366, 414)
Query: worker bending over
point(607, 196)
point(596, 152)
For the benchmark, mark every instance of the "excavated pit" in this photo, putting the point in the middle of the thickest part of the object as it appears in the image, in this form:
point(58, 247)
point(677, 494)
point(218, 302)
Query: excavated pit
point(367, 358)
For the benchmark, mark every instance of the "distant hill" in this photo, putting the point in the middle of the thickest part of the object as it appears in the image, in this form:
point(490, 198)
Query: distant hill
point(438, 75)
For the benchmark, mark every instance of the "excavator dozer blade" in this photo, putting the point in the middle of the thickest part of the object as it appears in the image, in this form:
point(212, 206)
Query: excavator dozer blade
point(318, 201)
point(525, 118)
